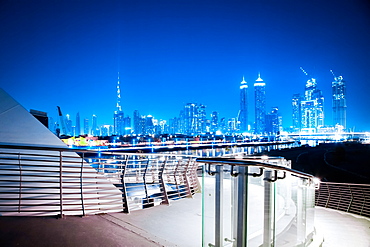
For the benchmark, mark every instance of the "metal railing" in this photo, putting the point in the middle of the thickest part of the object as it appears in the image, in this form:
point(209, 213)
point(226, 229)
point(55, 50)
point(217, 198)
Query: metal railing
point(350, 198)
point(256, 201)
point(39, 181)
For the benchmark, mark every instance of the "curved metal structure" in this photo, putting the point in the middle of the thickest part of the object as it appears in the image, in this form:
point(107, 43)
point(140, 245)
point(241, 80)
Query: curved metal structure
point(40, 181)
point(350, 198)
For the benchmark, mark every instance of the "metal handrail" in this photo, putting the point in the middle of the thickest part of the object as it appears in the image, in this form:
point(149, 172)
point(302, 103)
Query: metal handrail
point(253, 162)
point(79, 150)
point(48, 180)
point(346, 197)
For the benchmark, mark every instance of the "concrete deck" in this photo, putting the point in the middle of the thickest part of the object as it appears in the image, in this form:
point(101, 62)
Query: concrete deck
point(342, 229)
point(176, 225)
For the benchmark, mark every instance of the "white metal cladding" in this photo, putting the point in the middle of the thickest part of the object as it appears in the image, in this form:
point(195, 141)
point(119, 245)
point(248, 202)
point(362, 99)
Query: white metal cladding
point(43, 181)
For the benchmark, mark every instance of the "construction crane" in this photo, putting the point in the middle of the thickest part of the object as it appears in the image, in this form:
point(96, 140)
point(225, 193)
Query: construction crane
point(304, 71)
point(333, 73)
point(62, 121)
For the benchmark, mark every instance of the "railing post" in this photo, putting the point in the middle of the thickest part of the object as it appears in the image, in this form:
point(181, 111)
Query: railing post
point(269, 211)
point(187, 182)
point(61, 183)
point(124, 191)
point(240, 203)
point(161, 181)
point(219, 176)
point(81, 183)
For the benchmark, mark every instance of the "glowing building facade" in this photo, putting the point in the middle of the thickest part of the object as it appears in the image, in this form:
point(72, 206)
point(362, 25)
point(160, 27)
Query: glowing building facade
point(194, 119)
point(296, 114)
point(339, 101)
point(119, 121)
point(274, 122)
point(78, 125)
point(214, 122)
point(260, 105)
point(243, 112)
point(312, 107)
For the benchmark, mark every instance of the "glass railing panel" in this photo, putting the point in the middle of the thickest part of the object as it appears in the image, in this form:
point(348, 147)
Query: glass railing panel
point(310, 209)
point(285, 212)
point(249, 205)
point(208, 205)
point(217, 206)
point(255, 207)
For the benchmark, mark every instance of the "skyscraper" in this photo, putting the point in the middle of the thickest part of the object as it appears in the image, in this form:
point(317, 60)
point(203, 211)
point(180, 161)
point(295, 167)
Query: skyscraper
point(119, 122)
point(68, 122)
point(312, 107)
point(273, 121)
point(138, 128)
point(296, 114)
point(339, 101)
point(95, 130)
point(260, 105)
point(214, 122)
point(243, 112)
point(78, 125)
point(194, 118)
point(86, 126)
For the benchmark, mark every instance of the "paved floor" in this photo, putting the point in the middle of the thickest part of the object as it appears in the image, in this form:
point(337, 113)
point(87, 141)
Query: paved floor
point(342, 229)
point(176, 225)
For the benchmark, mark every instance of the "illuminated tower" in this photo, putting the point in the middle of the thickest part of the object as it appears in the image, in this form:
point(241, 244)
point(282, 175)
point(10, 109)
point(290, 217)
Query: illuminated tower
point(95, 130)
point(296, 114)
point(243, 113)
point(339, 101)
point(119, 128)
point(194, 118)
point(68, 122)
point(214, 121)
point(78, 125)
point(260, 105)
point(86, 126)
point(312, 106)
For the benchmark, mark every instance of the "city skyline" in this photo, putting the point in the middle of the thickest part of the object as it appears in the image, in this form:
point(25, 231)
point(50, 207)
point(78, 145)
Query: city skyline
point(170, 53)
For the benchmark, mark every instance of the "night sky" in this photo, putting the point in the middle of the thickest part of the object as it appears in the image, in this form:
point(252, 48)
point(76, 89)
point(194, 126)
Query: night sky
point(169, 53)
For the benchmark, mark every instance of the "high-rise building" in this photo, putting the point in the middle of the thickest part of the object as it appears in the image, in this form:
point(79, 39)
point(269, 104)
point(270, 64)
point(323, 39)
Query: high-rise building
point(119, 121)
point(174, 125)
point(68, 122)
point(231, 126)
point(274, 121)
point(214, 122)
point(312, 107)
point(149, 125)
point(339, 101)
point(138, 127)
point(260, 105)
point(127, 125)
point(95, 130)
point(86, 126)
point(296, 114)
point(194, 119)
point(202, 119)
point(243, 112)
point(78, 125)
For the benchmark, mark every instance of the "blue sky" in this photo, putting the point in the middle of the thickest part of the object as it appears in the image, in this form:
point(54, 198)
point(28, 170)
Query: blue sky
point(169, 53)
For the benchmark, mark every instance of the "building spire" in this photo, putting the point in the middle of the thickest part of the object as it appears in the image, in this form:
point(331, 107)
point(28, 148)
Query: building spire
point(118, 96)
point(259, 77)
